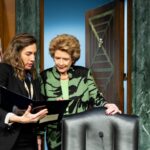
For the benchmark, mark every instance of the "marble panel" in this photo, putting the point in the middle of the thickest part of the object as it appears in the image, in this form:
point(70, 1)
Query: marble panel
point(141, 69)
point(28, 20)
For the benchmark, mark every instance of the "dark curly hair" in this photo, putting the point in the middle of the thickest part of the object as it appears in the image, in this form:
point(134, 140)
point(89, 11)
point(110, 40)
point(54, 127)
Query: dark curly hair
point(12, 53)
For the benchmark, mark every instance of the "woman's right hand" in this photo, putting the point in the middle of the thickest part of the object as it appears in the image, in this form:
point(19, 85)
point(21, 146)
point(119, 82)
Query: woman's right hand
point(28, 117)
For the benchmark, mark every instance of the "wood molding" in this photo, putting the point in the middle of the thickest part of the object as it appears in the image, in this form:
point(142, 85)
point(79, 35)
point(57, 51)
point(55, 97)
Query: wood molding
point(1, 22)
point(8, 21)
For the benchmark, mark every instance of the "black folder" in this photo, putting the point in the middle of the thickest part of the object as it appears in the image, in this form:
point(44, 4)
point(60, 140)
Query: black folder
point(10, 100)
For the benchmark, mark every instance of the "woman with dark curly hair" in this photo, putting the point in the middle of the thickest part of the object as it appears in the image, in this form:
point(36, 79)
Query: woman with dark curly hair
point(18, 74)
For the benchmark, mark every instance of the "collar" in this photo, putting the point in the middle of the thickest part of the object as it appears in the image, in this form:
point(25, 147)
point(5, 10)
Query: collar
point(57, 74)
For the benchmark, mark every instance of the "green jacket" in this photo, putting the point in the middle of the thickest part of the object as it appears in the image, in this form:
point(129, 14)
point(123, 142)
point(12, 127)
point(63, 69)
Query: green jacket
point(82, 91)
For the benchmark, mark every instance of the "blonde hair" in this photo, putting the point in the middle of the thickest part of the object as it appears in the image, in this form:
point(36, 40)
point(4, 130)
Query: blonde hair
point(67, 43)
point(12, 54)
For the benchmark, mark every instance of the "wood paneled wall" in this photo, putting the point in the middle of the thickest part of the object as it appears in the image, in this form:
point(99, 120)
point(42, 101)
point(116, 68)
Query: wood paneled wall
point(7, 21)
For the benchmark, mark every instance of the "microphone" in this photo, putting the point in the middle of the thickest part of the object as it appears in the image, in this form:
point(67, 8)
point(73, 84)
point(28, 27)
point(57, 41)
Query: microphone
point(101, 135)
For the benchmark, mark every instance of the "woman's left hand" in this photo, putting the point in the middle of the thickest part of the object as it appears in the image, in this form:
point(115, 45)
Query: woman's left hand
point(112, 109)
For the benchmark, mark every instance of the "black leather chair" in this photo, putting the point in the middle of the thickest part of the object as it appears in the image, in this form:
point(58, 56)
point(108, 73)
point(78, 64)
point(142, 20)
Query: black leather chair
point(94, 130)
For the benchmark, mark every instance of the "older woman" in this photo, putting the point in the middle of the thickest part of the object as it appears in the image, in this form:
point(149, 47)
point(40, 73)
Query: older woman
point(17, 73)
point(66, 81)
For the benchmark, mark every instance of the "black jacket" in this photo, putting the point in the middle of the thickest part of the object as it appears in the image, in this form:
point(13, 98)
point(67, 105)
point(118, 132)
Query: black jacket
point(9, 134)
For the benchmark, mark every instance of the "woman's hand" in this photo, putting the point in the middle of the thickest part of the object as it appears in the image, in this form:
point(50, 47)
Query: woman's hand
point(112, 109)
point(28, 117)
point(59, 99)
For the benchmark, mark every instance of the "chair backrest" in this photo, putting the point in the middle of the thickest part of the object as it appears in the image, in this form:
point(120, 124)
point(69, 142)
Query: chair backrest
point(94, 130)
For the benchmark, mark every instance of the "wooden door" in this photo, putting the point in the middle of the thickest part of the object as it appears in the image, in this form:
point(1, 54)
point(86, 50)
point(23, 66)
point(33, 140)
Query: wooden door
point(7, 21)
point(105, 49)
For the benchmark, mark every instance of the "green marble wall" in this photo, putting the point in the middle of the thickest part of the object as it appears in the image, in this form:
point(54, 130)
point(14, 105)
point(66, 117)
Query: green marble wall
point(141, 68)
point(28, 20)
